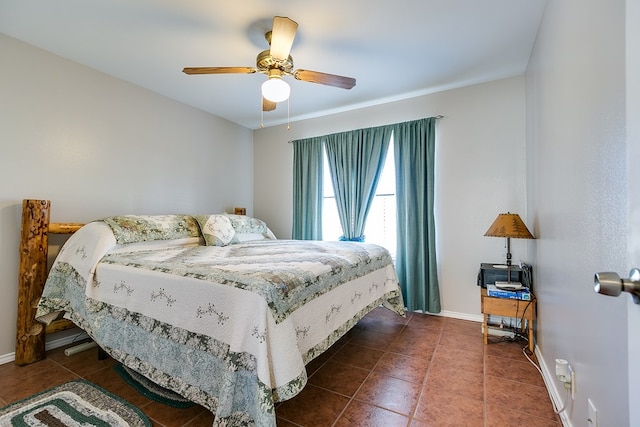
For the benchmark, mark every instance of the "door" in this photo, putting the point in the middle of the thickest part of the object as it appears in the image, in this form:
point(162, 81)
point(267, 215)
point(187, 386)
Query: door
point(633, 197)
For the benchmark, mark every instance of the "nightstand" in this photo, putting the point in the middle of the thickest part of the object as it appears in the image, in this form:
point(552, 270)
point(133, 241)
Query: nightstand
point(523, 310)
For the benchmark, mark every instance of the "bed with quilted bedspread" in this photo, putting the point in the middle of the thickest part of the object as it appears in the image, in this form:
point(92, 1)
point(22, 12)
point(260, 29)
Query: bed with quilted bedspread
point(213, 306)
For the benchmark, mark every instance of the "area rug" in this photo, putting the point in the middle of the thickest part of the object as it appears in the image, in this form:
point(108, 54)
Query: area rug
point(72, 404)
point(151, 390)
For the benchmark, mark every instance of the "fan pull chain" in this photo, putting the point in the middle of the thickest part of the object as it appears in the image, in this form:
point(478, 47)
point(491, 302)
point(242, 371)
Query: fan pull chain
point(261, 114)
point(288, 115)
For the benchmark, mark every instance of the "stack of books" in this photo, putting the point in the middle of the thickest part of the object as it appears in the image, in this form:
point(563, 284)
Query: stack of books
point(521, 294)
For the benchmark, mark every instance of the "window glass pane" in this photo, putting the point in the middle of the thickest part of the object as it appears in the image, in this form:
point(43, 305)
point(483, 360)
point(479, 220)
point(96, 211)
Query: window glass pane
point(326, 178)
point(387, 182)
point(381, 221)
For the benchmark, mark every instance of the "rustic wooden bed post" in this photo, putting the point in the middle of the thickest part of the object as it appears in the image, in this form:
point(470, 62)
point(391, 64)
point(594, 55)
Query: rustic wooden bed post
point(31, 277)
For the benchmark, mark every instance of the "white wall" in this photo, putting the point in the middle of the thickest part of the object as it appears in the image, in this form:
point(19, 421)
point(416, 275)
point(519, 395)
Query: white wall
point(576, 162)
point(97, 146)
point(480, 172)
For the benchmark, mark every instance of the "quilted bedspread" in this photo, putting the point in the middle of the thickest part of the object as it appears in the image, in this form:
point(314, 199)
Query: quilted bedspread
point(228, 327)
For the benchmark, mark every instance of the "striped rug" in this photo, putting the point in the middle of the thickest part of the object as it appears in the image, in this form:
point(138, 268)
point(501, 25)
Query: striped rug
point(73, 404)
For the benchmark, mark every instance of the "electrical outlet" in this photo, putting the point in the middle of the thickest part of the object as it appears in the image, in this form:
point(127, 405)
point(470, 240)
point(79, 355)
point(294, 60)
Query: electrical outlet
point(593, 414)
point(565, 373)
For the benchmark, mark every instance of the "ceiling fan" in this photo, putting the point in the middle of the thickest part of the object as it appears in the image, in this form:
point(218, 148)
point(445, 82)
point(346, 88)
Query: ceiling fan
point(276, 63)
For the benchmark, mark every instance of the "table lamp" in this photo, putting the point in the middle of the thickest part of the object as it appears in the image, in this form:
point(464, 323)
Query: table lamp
point(509, 225)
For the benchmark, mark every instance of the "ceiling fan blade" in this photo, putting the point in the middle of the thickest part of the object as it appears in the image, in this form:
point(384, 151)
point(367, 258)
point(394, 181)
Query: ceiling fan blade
point(268, 105)
point(325, 79)
point(282, 35)
point(219, 70)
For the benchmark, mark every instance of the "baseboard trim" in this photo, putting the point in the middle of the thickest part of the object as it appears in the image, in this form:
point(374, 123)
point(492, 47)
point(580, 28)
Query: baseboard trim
point(479, 319)
point(461, 316)
point(50, 345)
point(7, 358)
point(556, 396)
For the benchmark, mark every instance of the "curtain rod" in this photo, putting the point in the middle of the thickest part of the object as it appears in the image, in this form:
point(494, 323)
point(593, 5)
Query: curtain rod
point(438, 117)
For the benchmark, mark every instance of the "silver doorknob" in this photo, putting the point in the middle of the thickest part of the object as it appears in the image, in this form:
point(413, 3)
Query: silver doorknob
point(608, 283)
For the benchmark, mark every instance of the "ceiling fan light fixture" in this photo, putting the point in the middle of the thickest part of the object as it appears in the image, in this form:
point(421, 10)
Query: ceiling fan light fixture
point(276, 62)
point(275, 89)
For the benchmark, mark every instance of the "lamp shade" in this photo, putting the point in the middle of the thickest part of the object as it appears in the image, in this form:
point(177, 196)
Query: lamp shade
point(275, 89)
point(509, 225)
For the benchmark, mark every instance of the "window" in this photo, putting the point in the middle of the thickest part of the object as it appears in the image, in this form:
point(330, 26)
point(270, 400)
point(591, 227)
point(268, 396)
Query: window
point(381, 221)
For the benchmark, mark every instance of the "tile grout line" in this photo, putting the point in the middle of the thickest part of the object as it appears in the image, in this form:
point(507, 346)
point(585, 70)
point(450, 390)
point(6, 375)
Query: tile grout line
point(423, 389)
point(351, 398)
point(484, 384)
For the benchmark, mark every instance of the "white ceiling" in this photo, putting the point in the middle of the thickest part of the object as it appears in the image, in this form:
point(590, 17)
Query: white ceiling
point(394, 49)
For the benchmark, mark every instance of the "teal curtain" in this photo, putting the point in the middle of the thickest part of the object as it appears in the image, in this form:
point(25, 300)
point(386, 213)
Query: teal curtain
point(355, 160)
point(307, 188)
point(416, 264)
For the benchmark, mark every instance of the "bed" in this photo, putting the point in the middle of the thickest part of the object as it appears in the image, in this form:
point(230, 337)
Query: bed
point(212, 306)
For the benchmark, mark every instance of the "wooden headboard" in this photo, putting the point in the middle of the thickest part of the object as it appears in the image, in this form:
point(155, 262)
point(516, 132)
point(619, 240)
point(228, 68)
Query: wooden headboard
point(32, 274)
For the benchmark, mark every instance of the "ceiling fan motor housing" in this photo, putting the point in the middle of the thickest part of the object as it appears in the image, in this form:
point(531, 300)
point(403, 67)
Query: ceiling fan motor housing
point(266, 62)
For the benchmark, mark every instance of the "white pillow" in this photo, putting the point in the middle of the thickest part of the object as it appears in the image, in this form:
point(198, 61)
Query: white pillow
point(217, 230)
point(249, 237)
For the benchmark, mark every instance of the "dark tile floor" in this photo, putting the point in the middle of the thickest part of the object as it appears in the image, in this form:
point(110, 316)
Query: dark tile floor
point(387, 371)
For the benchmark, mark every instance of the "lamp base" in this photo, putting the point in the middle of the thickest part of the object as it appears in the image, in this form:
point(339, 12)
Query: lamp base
point(509, 286)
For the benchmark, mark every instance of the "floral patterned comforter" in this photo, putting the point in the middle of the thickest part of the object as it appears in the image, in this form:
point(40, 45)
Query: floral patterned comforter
point(229, 327)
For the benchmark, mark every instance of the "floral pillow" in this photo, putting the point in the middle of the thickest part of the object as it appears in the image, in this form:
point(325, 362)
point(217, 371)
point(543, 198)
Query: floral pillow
point(145, 228)
point(247, 224)
point(217, 230)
